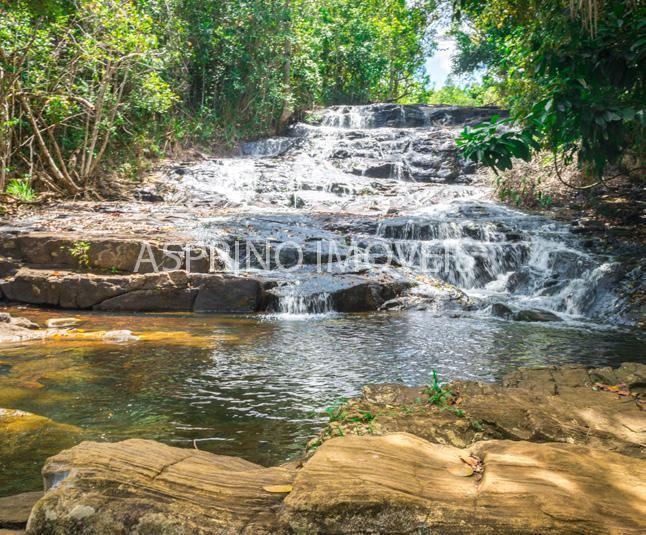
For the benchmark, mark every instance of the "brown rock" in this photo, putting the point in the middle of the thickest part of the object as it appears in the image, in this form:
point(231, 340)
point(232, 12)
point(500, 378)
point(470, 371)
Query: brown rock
point(361, 294)
point(226, 293)
point(153, 292)
point(538, 405)
point(15, 510)
point(111, 253)
point(140, 486)
point(400, 483)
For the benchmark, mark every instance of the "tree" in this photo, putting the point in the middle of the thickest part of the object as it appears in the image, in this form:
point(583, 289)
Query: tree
point(575, 87)
point(71, 82)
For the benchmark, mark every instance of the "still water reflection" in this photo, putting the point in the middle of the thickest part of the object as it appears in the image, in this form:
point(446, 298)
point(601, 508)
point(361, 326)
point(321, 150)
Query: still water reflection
point(255, 386)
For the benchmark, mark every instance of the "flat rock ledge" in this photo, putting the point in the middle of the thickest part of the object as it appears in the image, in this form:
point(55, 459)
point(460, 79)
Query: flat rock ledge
point(572, 404)
point(175, 291)
point(552, 450)
point(397, 483)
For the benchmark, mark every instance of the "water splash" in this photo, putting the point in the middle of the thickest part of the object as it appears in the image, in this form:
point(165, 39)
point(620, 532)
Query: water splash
point(390, 176)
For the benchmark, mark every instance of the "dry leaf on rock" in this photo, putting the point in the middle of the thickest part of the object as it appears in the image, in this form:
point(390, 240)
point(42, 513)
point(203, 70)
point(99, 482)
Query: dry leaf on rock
point(461, 471)
point(278, 488)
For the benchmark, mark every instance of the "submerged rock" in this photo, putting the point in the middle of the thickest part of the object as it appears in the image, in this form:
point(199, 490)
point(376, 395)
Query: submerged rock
point(16, 329)
point(62, 323)
point(24, 435)
point(534, 314)
point(501, 311)
point(15, 510)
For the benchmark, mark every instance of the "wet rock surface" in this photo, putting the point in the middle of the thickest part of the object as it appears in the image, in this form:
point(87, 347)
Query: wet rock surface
point(16, 329)
point(355, 189)
point(170, 291)
point(15, 510)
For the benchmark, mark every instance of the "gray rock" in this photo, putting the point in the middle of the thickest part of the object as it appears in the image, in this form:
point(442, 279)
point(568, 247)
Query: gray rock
point(535, 314)
point(501, 311)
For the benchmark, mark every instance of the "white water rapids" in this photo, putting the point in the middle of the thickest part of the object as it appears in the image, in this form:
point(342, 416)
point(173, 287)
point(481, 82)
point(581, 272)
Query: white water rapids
point(386, 181)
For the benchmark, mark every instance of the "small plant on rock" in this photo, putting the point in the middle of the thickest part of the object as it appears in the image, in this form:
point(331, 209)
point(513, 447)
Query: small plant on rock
point(80, 250)
point(21, 189)
point(441, 396)
point(336, 412)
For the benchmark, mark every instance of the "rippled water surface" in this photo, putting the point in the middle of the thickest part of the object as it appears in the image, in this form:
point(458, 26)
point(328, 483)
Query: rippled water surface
point(256, 386)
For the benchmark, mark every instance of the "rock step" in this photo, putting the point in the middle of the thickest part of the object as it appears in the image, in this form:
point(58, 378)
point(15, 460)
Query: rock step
point(108, 254)
point(397, 483)
point(15, 510)
point(152, 292)
point(181, 291)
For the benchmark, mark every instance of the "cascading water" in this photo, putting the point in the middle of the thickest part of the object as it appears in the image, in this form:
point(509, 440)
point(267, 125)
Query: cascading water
point(369, 208)
point(299, 305)
point(386, 183)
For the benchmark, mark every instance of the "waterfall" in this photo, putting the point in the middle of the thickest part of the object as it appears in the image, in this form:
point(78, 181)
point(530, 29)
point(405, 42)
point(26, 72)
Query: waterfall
point(297, 305)
point(388, 178)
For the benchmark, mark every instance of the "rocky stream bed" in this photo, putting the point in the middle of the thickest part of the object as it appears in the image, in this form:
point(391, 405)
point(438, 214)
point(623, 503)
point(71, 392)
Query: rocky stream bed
point(232, 299)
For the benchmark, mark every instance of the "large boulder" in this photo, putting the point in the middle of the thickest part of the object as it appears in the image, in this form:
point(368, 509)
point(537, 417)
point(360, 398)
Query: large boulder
point(398, 483)
point(401, 483)
point(141, 486)
point(152, 292)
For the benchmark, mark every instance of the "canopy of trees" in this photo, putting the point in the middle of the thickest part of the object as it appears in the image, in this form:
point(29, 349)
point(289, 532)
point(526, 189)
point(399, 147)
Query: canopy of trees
point(84, 79)
point(572, 73)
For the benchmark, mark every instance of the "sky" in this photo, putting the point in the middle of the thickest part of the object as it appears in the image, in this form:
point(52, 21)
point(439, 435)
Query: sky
point(438, 66)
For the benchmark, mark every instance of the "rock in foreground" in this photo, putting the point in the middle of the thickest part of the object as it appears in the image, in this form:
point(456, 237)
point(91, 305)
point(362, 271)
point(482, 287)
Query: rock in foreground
point(140, 486)
point(14, 329)
point(569, 404)
point(392, 484)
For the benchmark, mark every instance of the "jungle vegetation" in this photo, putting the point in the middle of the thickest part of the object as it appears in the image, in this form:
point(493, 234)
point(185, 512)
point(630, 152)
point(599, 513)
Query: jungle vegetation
point(89, 87)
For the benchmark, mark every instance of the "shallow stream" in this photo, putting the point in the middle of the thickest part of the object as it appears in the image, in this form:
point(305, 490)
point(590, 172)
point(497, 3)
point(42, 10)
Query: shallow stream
point(371, 183)
point(255, 386)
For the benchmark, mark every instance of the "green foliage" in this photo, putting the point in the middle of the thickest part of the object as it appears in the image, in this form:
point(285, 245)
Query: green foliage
point(76, 83)
point(441, 396)
point(524, 192)
point(81, 251)
point(21, 189)
point(488, 144)
point(336, 412)
point(93, 85)
point(471, 95)
point(579, 93)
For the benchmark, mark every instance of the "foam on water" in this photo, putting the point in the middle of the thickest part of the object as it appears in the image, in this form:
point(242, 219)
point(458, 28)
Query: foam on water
point(395, 169)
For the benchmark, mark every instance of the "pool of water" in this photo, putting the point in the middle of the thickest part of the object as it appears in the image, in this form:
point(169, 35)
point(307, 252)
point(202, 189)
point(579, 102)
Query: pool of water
point(256, 386)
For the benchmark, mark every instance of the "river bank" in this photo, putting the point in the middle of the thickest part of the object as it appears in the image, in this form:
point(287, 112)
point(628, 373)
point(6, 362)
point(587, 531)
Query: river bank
point(225, 305)
point(550, 450)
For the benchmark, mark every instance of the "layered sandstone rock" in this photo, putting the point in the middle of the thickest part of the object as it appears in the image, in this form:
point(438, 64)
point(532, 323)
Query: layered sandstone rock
point(391, 484)
point(140, 486)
